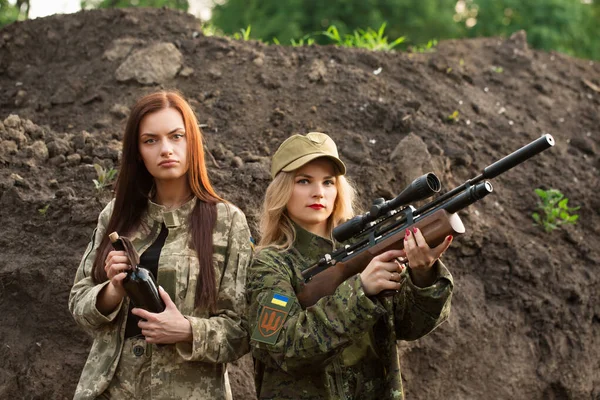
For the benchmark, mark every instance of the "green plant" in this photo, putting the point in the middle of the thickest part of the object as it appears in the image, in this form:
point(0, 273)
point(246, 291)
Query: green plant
point(243, 34)
point(43, 210)
point(209, 29)
point(429, 47)
point(176, 4)
point(453, 117)
point(288, 20)
point(366, 39)
point(554, 210)
point(305, 40)
point(496, 69)
point(105, 176)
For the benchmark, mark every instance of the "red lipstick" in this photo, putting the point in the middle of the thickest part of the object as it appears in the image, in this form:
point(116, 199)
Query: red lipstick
point(317, 206)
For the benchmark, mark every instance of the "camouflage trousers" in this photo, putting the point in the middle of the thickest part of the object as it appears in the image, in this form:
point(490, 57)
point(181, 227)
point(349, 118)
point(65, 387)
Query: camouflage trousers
point(132, 377)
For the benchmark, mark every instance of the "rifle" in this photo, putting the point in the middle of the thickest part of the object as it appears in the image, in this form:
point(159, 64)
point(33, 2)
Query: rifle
point(383, 227)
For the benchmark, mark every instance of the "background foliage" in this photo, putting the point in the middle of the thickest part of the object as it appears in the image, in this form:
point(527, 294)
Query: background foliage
point(418, 20)
point(15, 11)
point(568, 26)
point(177, 4)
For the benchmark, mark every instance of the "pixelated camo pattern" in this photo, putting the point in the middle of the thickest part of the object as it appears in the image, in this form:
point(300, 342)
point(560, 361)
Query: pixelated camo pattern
point(343, 347)
point(183, 371)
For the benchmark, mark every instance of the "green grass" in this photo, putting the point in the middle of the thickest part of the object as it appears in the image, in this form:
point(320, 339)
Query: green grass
point(371, 39)
point(243, 34)
point(428, 47)
point(363, 39)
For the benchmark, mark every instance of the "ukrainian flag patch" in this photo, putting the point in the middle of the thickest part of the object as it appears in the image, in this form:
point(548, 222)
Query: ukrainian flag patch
point(279, 300)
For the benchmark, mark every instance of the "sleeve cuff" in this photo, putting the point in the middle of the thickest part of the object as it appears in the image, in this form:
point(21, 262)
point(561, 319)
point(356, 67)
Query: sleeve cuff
point(189, 351)
point(367, 310)
point(431, 299)
point(96, 317)
point(442, 279)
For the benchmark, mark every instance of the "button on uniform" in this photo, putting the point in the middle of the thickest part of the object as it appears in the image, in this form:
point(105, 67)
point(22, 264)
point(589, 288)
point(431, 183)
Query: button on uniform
point(138, 350)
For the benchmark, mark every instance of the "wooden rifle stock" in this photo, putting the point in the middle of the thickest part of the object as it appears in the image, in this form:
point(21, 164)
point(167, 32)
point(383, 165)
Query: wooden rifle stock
point(434, 227)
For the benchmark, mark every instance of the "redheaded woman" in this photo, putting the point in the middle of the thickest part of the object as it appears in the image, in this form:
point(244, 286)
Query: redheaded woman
point(197, 246)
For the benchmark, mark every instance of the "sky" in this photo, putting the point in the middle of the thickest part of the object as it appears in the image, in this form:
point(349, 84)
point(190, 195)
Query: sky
point(42, 8)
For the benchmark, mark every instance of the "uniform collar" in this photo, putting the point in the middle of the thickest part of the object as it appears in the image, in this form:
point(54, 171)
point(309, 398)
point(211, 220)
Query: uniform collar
point(308, 243)
point(171, 218)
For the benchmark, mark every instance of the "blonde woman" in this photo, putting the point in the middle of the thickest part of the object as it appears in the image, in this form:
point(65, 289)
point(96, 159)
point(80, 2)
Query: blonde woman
point(344, 346)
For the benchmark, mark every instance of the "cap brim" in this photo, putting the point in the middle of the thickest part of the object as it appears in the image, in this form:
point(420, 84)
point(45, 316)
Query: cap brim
point(294, 165)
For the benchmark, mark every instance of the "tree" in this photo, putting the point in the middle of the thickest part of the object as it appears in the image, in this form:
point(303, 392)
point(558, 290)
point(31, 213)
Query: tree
point(10, 13)
point(177, 4)
point(568, 26)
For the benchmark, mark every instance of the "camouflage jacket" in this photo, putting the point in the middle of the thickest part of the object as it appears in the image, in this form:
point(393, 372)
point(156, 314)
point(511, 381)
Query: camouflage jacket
point(344, 346)
point(185, 370)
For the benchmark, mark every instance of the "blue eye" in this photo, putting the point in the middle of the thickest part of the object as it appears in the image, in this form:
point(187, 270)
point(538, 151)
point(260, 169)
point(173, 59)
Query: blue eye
point(302, 181)
point(329, 182)
point(177, 136)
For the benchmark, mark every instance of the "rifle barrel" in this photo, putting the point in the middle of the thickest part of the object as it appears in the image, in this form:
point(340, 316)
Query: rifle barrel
point(518, 156)
point(497, 168)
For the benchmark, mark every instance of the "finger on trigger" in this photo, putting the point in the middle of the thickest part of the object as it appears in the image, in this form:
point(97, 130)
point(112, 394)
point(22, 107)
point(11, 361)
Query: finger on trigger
point(391, 255)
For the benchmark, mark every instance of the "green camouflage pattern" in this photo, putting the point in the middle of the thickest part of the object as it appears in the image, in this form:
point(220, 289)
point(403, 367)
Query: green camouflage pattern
point(185, 370)
point(344, 346)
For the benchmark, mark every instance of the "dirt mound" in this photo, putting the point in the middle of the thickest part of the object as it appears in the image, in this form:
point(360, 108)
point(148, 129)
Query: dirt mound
point(526, 313)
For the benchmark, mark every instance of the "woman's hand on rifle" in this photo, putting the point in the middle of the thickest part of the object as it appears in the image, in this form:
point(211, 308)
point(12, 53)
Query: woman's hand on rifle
point(382, 273)
point(421, 257)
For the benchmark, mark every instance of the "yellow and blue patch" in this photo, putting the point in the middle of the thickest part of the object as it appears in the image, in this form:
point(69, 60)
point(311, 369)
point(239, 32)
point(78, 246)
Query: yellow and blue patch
point(279, 300)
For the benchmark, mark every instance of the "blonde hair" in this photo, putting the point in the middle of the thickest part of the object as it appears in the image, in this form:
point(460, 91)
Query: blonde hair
point(276, 228)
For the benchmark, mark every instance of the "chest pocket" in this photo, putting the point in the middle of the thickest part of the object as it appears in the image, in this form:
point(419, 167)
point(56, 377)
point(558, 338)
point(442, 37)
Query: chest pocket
point(177, 274)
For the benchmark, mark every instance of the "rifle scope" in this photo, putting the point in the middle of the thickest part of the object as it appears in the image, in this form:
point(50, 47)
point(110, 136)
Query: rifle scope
point(421, 188)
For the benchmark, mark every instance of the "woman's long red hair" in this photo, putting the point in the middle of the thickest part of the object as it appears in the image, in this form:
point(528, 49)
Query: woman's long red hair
point(134, 184)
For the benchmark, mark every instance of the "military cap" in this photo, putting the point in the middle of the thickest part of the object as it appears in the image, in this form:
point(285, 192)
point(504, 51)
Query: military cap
point(298, 150)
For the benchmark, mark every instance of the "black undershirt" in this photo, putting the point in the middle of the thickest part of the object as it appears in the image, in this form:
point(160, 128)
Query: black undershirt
point(148, 260)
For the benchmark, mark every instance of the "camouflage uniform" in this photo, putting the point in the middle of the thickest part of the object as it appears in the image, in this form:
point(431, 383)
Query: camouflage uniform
point(185, 370)
point(343, 347)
